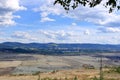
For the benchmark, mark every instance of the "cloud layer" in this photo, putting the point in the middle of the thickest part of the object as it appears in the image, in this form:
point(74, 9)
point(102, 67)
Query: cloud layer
point(23, 35)
point(51, 23)
point(98, 15)
point(109, 30)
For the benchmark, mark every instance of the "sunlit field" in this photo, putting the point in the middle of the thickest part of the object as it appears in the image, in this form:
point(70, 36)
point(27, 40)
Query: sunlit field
point(34, 66)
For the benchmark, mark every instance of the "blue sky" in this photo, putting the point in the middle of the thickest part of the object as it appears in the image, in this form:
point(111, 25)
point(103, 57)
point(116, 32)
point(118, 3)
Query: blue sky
point(40, 21)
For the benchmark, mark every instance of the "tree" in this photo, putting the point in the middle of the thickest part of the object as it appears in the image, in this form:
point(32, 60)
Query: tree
point(68, 4)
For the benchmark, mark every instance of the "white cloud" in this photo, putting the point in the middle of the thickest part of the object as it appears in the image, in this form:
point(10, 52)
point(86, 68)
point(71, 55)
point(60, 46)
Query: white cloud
point(86, 32)
point(98, 15)
point(66, 36)
point(61, 36)
point(47, 8)
point(46, 19)
point(74, 24)
point(109, 30)
point(57, 35)
point(7, 8)
point(23, 35)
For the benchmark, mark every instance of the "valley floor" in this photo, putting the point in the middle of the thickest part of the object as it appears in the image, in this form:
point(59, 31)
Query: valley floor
point(81, 74)
point(27, 66)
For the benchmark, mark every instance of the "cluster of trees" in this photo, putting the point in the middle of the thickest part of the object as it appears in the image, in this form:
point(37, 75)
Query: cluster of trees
point(49, 51)
point(115, 69)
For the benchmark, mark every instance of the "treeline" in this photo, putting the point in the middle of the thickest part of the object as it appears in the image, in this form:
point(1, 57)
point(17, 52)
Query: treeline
point(58, 49)
point(55, 51)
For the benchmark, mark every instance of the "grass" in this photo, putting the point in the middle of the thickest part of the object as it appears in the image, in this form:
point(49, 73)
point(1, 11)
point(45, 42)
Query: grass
point(76, 74)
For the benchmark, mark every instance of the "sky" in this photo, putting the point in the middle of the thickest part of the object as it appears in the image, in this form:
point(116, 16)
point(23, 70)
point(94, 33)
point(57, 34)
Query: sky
point(40, 21)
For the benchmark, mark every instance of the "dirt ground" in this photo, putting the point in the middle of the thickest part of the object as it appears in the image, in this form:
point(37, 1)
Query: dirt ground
point(24, 66)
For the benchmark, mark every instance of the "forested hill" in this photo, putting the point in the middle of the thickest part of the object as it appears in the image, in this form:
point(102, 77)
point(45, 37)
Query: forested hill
point(50, 48)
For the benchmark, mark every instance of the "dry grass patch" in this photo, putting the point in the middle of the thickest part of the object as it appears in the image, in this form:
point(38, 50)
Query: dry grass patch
point(5, 64)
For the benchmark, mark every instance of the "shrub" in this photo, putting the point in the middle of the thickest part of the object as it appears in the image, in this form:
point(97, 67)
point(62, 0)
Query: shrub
point(117, 69)
point(75, 78)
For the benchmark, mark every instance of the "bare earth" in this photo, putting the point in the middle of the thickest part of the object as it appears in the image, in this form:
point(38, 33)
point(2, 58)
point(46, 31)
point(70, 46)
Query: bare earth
point(65, 66)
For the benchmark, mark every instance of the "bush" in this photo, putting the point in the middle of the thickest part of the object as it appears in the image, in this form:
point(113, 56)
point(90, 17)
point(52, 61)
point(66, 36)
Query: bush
point(117, 69)
point(95, 78)
point(36, 73)
point(75, 78)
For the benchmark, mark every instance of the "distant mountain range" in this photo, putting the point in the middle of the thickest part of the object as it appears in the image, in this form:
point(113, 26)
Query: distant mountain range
point(55, 48)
